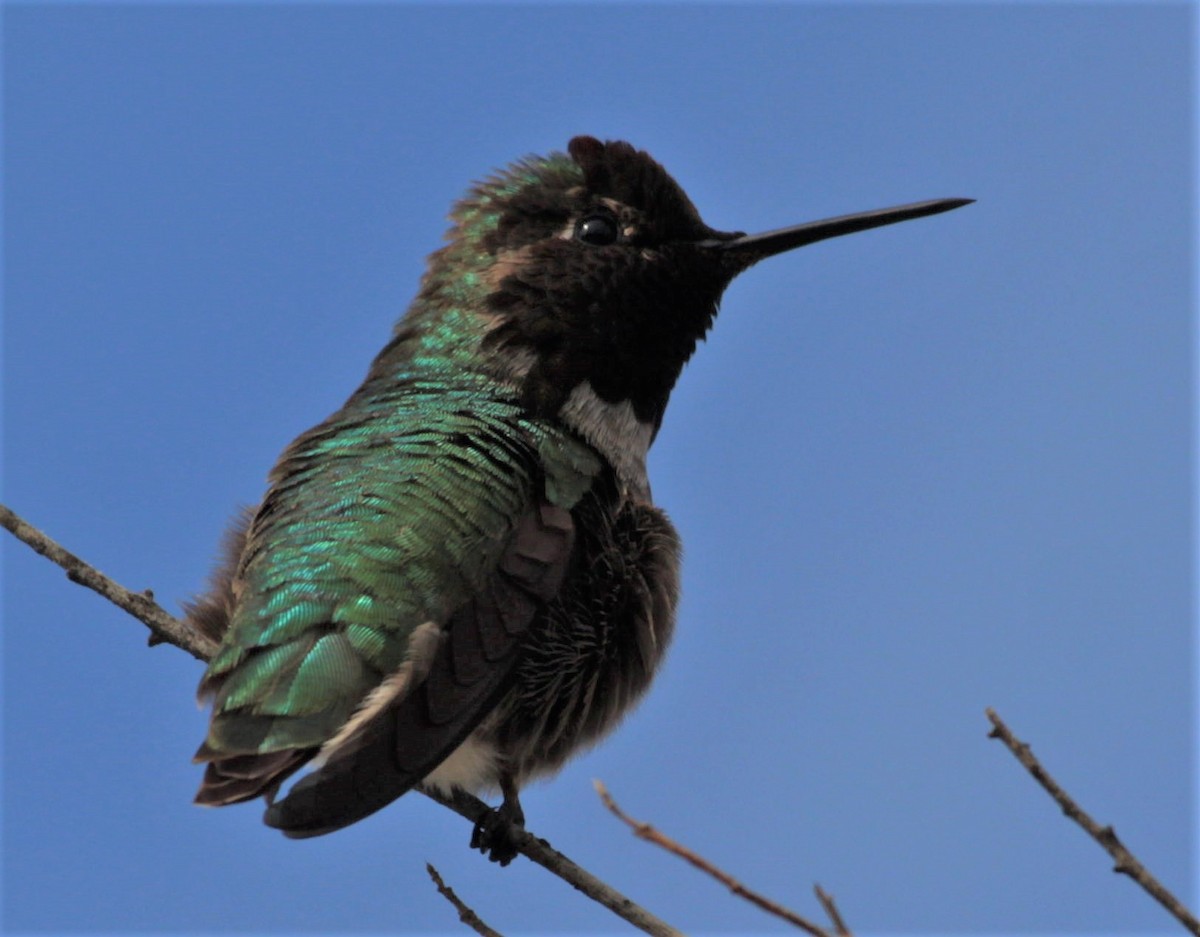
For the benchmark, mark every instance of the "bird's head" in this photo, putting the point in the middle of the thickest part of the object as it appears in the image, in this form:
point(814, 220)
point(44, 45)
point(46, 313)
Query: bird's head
point(598, 268)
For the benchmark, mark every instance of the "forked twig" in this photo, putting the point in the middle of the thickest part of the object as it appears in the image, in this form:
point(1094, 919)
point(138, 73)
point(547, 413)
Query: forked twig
point(650, 834)
point(1126, 862)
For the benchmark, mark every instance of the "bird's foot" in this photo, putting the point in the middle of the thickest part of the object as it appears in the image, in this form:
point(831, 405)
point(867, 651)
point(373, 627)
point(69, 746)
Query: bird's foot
point(496, 833)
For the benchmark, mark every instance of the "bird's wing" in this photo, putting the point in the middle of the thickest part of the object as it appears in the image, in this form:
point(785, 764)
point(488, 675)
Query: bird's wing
point(390, 554)
point(406, 728)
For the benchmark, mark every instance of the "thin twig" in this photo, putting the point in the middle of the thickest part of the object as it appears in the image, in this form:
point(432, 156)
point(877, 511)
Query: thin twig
point(173, 631)
point(545, 855)
point(465, 914)
point(1126, 862)
point(166, 627)
point(835, 917)
point(650, 834)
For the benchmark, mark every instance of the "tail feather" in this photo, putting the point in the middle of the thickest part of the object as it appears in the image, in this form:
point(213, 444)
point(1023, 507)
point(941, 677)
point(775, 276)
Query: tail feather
point(238, 778)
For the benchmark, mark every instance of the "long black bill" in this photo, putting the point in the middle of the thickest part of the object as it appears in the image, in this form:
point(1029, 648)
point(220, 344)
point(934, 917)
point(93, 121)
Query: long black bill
point(751, 248)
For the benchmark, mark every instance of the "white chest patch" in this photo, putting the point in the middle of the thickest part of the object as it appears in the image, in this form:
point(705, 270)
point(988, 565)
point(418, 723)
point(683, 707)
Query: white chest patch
point(616, 433)
point(471, 767)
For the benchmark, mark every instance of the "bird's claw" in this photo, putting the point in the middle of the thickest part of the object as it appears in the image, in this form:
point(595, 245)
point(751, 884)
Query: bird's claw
point(496, 833)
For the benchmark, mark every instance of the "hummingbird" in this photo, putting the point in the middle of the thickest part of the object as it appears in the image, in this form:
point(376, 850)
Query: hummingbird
point(460, 579)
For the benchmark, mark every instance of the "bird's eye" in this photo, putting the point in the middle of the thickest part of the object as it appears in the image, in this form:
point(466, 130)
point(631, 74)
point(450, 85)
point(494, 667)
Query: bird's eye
point(598, 229)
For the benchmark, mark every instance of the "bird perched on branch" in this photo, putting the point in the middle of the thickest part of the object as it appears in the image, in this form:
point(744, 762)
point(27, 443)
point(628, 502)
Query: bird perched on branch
point(459, 579)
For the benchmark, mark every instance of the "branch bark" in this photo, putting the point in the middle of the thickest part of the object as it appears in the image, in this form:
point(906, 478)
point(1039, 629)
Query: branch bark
point(166, 628)
point(465, 913)
point(1126, 862)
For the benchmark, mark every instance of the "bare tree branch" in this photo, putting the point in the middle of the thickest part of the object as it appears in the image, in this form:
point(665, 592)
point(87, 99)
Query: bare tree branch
point(650, 834)
point(1126, 862)
point(165, 627)
point(545, 855)
point(465, 914)
point(171, 630)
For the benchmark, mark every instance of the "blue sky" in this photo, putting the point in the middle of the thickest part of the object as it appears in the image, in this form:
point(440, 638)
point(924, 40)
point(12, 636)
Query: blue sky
point(918, 471)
